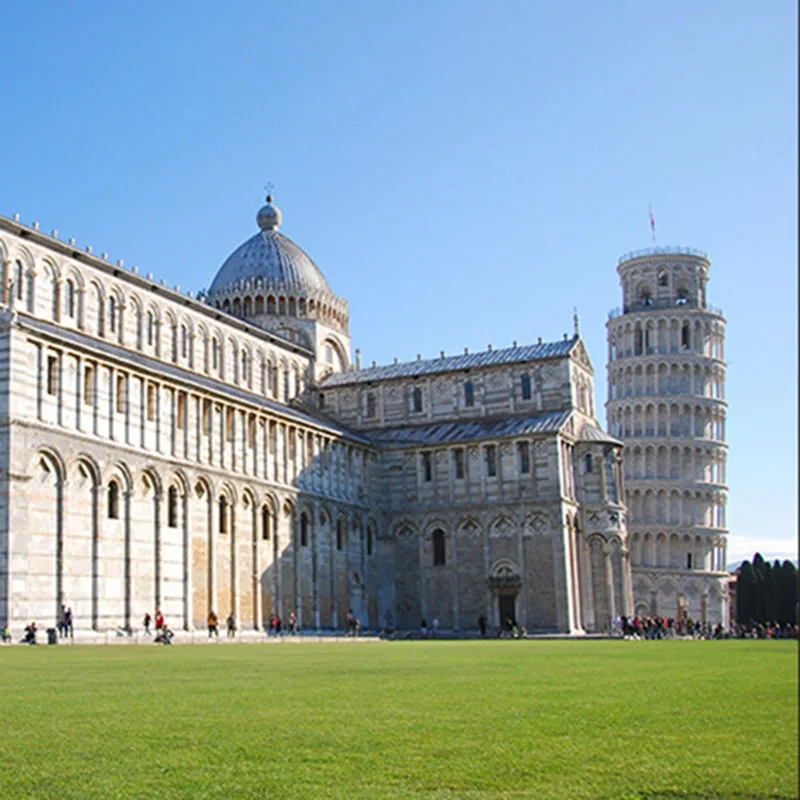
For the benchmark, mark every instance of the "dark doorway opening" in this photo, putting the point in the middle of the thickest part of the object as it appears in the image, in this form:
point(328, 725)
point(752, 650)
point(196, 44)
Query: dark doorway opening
point(506, 606)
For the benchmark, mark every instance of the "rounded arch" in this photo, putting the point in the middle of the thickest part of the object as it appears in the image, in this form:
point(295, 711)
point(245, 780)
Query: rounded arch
point(149, 480)
point(434, 524)
point(54, 461)
point(89, 464)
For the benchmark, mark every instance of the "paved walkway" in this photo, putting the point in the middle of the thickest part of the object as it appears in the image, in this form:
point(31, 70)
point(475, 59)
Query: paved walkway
point(254, 637)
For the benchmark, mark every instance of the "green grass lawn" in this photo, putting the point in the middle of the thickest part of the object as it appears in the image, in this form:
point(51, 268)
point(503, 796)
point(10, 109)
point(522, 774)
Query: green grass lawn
point(533, 719)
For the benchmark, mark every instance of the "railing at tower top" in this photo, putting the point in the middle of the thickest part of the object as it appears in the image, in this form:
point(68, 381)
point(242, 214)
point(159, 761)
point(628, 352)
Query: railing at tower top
point(660, 305)
point(662, 251)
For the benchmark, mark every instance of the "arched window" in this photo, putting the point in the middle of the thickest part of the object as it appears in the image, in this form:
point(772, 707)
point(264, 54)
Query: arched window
point(184, 342)
point(526, 386)
point(469, 394)
point(112, 314)
point(223, 515)
point(248, 307)
point(638, 345)
point(113, 500)
point(20, 278)
point(172, 507)
point(69, 299)
point(645, 298)
point(214, 354)
point(340, 535)
point(686, 336)
point(663, 278)
point(369, 541)
point(682, 296)
point(175, 343)
point(587, 462)
point(100, 314)
point(427, 467)
point(265, 523)
point(417, 398)
point(245, 366)
point(151, 324)
point(439, 554)
point(303, 530)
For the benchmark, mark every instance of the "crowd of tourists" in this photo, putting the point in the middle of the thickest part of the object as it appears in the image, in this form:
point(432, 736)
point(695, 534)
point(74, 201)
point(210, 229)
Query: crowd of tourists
point(772, 630)
point(668, 628)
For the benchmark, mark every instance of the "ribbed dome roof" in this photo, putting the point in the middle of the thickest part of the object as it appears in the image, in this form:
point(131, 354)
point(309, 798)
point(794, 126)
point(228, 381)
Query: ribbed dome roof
point(271, 257)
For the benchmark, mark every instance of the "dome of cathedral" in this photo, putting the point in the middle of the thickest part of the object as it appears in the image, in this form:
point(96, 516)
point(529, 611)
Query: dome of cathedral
point(270, 257)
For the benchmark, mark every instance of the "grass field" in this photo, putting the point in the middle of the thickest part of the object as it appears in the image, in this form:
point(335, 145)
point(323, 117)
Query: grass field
point(535, 719)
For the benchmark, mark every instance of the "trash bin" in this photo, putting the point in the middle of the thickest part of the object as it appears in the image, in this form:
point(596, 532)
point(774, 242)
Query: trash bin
point(52, 636)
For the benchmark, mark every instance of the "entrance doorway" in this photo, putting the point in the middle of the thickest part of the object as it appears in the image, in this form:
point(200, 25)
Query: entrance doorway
point(506, 604)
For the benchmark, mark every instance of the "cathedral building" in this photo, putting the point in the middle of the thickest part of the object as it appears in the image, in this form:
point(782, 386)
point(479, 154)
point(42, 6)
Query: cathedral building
point(666, 401)
point(222, 452)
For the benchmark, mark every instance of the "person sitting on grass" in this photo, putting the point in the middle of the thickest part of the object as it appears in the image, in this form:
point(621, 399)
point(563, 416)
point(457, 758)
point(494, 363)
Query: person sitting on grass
point(164, 635)
point(30, 634)
point(5, 634)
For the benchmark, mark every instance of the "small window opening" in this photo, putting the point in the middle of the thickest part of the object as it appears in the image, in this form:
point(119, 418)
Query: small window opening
point(427, 467)
point(458, 463)
point(490, 454)
point(526, 387)
point(303, 531)
point(113, 500)
point(417, 399)
point(181, 415)
point(339, 535)
point(587, 463)
point(172, 507)
point(469, 394)
point(52, 374)
point(151, 402)
point(88, 386)
point(223, 515)
point(439, 552)
point(524, 458)
point(69, 299)
point(371, 405)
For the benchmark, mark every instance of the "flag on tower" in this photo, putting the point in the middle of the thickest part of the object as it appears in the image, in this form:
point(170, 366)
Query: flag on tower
point(652, 224)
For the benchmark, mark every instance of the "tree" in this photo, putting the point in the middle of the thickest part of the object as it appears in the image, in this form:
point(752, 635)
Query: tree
point(746, 594)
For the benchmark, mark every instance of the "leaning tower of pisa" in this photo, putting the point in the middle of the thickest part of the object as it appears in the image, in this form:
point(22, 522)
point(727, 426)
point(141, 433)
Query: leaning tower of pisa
point(666, 401)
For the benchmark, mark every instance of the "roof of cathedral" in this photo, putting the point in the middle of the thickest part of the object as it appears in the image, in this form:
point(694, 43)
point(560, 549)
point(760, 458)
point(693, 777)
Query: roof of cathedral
point(439, 433)
point(434, 366)
point(271, 257)
point(591, 433)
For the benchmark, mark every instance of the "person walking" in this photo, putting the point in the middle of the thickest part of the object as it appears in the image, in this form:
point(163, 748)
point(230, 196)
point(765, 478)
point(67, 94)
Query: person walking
point(61, 624)
point(292, 624)
point(68, 624)
point(213, 624)
point(159, 621)
point(482, 625)
point(231, 623)
point(146, 622)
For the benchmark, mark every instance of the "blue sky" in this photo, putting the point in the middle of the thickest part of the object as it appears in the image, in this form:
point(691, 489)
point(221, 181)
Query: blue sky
point(464, 173)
